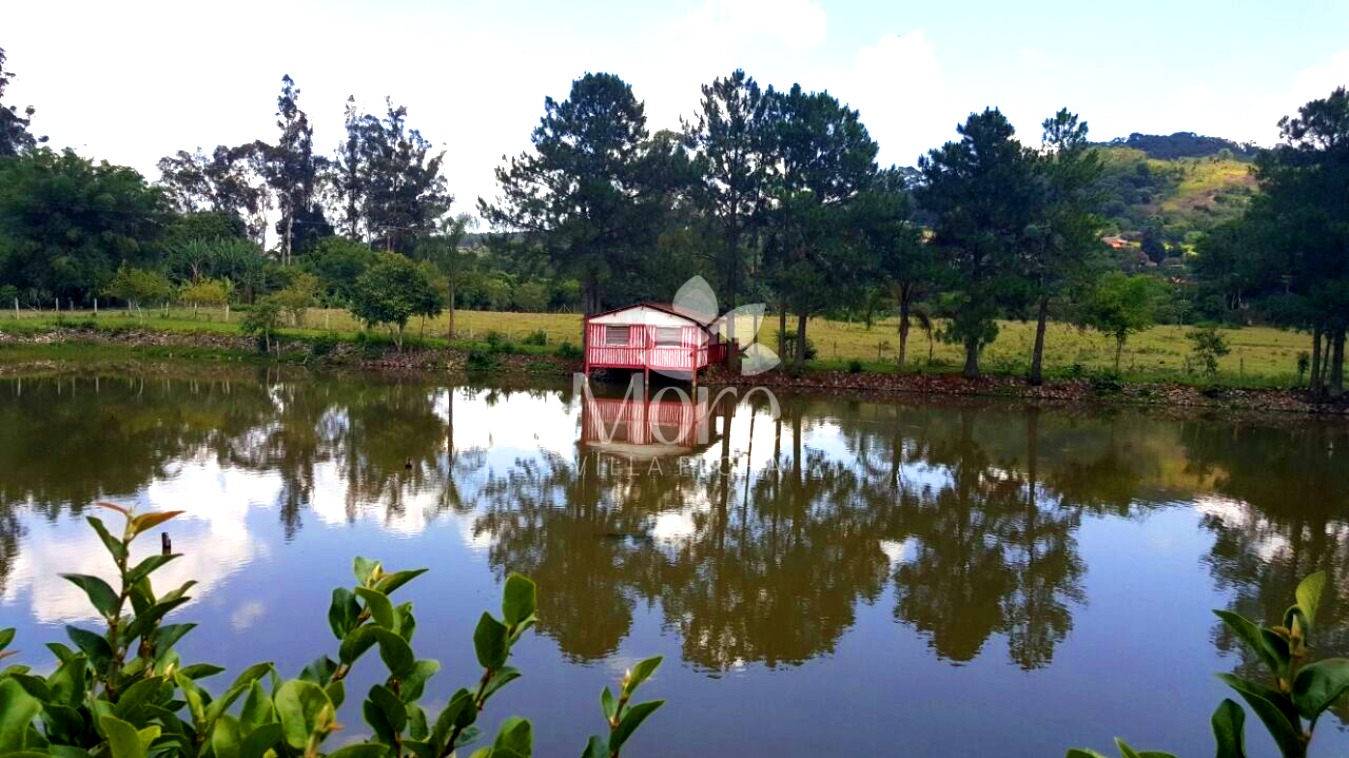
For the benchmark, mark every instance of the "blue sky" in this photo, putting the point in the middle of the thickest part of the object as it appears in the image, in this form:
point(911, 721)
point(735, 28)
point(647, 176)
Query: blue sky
point(134, 80)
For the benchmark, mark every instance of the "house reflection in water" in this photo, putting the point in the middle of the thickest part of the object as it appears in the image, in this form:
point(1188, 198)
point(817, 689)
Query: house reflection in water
point(638, 427)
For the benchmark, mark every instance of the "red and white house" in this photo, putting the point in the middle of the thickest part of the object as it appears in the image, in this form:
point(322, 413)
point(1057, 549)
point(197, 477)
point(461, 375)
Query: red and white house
point(650, 337)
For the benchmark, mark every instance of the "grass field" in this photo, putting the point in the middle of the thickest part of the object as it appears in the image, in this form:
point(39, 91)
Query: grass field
point(1260, 356)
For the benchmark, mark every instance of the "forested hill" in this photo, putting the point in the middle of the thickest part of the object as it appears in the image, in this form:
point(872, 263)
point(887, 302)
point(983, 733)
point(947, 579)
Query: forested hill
point(1170, 189)
point(1184, 145)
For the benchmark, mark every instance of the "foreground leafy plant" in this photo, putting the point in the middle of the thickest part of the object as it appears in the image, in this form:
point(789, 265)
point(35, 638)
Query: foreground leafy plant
point(1297, 692)
point(125, 692)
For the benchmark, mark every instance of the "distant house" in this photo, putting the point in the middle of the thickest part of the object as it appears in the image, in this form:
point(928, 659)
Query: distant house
point(1116, 243)
point(650, 337)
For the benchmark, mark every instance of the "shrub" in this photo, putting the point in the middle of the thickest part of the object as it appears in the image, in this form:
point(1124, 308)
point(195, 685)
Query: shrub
point(323, 345)
point(124, 692)
point(1209, 345)
point(537, 337)
point(262, 321)
point(494, 338)
point(478, 360)
point(790, 345)
point(854, 367)
point(568, 350)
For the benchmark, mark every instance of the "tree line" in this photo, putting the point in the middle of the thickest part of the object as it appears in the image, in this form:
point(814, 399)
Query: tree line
point(775, 196)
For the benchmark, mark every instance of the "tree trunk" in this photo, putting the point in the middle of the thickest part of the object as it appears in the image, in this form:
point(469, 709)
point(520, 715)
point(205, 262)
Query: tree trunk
point(1337, 364)
point(1314, 378)
point(782, 332)
point(590, 293)
point(1037, 355)
point(801, 341)
point(903, 326)
point(290, 235)
point(971, 358)
point(449, 334)
point(398, 338)
point(1119, 351)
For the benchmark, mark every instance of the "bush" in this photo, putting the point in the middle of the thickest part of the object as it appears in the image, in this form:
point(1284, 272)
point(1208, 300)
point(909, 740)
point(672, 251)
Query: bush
point(790, 353)
point(537, 337)
point(854, 367)
point(262, 321)
point(569, 351)
point(124, 692)
point(478, 360)
point(323, 345)
point(1209, 345)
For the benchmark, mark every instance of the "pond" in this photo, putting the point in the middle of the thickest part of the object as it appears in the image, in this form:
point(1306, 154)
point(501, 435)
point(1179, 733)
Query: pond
point(879, 576)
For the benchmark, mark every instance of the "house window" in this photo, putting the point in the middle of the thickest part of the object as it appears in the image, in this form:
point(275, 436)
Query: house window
point(668, 336)
point(616, 335)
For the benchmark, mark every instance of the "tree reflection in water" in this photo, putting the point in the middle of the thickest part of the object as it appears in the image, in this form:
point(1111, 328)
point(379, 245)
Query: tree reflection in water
point(964, 517)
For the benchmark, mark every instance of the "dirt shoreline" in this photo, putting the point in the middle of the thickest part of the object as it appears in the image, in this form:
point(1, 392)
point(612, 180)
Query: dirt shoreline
point(382, 358)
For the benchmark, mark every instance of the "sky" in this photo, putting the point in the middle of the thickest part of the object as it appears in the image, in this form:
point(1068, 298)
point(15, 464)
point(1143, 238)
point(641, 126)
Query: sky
point(132, 81)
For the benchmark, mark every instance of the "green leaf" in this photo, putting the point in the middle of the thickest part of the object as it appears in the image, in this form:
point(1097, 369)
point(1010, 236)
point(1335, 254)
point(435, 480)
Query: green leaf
point(226, 737)
point(113, 544)
point(6, 637)
point(407, 623)
point(598, 748)
point(489, 642)
point(1278, 717)
point(381, 610)
point(1309, 592)
point(17, 711)
point(1318, 685)
point(343, 612)
point(319, 671)
point(167, 635)
point(364, 568)
point(460, 712)
point(123, 739)
point(146, 620)
point(500, 678)
point(1124, 750)
point(262, 739)
point(304, 708)
point(355, 644)
point(1229, 729)
point(395, 712)
point(608, 704)
point(390, 582)
point(518, 600)
point(640, 673)
point(93, 645)
point(201, 670)
point(1248, 632)
point(337, 692)
point(102, 596)
point(395, 652)
point(515, 735)
point(257, 710)
point(147, 521)
point(1078, 752)
point(632, 718)
point(128, 707)
point(415, 682)
point(148, 566)
point(69, 682)
point(360, 750)
point(418, 726)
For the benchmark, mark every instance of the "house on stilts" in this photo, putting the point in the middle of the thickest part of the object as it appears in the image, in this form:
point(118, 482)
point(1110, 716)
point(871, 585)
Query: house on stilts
point(652, 337)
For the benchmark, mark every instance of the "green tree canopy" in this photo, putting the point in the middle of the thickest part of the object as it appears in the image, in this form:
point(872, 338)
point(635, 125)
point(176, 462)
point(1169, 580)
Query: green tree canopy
point(392, 291)
point(584, 191)
point(983, 193)
point(67, 223)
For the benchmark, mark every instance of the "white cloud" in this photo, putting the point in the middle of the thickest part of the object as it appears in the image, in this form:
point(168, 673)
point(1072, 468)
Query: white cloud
point(897, 86)
point(797, 24)
point(212, 536)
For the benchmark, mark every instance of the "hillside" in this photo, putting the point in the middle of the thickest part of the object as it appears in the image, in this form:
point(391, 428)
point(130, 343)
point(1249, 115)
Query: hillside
point(1162, 192)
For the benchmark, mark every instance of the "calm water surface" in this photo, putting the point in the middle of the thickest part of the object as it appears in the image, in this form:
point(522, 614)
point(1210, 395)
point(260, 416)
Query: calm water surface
point(879, 577)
